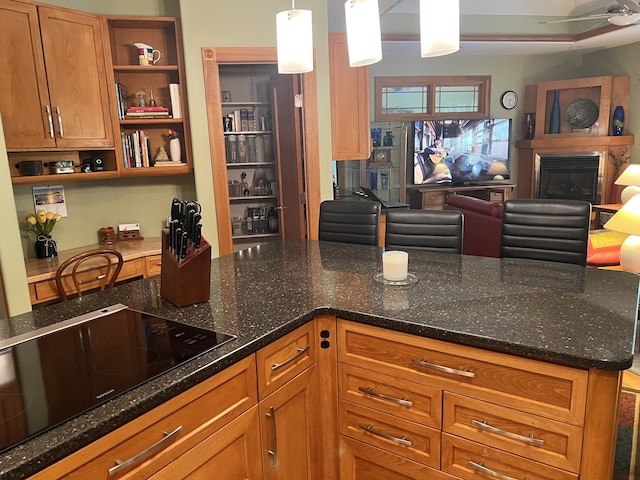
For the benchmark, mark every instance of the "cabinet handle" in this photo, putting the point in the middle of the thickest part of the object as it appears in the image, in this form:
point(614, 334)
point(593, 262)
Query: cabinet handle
point(271, 415)
point(300, 352)
point(50, 117)
point(401, 441)
point(60, 121)
point(485, 426)
point(381, 396)
point(169, 437)
point(462, 373)
point(492, 473)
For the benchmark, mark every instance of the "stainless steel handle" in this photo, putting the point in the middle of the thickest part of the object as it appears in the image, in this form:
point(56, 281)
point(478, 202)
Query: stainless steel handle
point(485, 426)
point(51, 132)
point(381, 396)
point(169, 437)
point(462, 373)
point(301, 351)
point(492, 473)
point(401, 441)
point(274, 438)
point(60, 121)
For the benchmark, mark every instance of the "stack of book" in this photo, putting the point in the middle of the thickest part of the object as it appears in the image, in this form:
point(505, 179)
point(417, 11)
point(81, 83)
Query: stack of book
point(136, 149)
point(147, 112)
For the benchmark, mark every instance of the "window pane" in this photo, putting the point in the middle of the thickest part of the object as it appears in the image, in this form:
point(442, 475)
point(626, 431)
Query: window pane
point(462, 98)
point(397, 100)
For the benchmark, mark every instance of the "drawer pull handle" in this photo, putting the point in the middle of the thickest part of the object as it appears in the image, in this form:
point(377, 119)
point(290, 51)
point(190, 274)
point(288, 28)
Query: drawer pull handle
point(99, 277)
point(299, 353)
point(462, 373)
point(381, 396)
point(169, 437)
point(530, 439)
point(50, 118)
point(401, 441)
point(271, 415)
point(492, 473)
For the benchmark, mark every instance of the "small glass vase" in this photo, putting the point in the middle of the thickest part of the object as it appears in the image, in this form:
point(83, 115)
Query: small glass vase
point(554, 119)
point(45, 247)
point(617, 126)
point(175, 150)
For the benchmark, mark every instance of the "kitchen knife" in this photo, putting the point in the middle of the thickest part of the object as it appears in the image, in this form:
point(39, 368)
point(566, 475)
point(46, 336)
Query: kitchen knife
point(183, 247)
point(194, 225)
point(197, 237)
point(175, 208)
point(172, 236)
point(177, 242)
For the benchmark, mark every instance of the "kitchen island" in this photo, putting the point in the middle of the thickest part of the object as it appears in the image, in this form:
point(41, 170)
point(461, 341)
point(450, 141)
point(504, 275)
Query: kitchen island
point(559, 314)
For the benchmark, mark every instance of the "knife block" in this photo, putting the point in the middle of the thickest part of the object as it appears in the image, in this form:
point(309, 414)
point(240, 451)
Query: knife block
point(187, 282)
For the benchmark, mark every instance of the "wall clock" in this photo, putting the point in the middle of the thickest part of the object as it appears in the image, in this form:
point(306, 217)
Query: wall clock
point(509, 100)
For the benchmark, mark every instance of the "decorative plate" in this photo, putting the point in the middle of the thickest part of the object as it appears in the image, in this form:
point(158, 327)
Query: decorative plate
point(582, 113)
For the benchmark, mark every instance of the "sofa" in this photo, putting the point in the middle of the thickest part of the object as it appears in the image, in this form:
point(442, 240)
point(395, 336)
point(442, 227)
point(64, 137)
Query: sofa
point(482, 224)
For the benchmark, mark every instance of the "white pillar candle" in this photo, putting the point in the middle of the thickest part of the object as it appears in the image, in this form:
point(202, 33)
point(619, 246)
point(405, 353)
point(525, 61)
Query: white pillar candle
point(395, 265)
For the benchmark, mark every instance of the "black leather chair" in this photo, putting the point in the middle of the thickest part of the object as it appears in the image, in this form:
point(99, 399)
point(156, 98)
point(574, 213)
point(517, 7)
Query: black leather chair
point(546, 229)
point(350, 221)
point(433, 230)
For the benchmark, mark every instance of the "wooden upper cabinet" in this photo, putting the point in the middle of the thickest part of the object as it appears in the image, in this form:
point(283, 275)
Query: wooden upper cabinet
point(350, 132)
point(23, 82)
point(66, 107)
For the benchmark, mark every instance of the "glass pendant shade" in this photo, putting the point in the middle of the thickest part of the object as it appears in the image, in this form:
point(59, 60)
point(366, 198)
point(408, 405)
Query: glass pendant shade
point(439, 27)
point(363, 32)
point(294, 41)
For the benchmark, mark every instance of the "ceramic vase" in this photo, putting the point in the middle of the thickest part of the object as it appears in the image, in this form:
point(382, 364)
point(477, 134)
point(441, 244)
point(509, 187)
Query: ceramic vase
point(45, 247)
point(554, 118)
point(617, 125)
point(530, 126)
point(175, 150)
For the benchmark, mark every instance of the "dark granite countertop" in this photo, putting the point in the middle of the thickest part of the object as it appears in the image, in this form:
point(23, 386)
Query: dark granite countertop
point(558, 313)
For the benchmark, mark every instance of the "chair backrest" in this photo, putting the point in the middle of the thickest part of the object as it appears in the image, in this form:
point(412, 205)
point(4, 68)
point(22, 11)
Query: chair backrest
point(93, 269)
point(350, 221)
point(433, 230)
point(546, 229)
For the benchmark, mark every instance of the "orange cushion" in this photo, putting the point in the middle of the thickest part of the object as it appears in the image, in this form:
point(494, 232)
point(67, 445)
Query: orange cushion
point(604, 247)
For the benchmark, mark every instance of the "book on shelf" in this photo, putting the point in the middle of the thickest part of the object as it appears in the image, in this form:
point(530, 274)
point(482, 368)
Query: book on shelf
point(252, 125)
point(147, 109)
point(136, 149)
point(244, 119)
point(176, 104)
point(135, 115)
point(237, 124)
point(168, 163)
point(122, 99)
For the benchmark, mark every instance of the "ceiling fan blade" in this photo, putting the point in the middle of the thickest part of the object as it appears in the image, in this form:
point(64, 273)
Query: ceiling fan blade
point(579, 19)
point(597, 25)
point(630, 5)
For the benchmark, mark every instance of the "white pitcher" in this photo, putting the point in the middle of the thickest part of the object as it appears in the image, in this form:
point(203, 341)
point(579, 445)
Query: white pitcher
point(146, 54)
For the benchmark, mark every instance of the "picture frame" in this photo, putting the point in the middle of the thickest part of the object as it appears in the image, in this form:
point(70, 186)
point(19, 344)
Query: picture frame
point(380, 156)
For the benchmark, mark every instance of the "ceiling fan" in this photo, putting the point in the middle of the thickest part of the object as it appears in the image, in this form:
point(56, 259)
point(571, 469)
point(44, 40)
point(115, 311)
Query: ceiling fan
point(621, 13)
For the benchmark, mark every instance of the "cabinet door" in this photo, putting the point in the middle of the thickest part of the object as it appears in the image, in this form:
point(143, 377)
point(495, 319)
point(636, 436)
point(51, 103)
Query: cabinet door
point(288, 426)
point(350, 134)
point(75, 60)
point(230, 454)
point(24, 97)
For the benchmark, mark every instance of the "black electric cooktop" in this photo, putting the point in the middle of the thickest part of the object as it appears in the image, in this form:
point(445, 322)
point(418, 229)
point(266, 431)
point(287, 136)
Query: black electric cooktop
point(53, 374)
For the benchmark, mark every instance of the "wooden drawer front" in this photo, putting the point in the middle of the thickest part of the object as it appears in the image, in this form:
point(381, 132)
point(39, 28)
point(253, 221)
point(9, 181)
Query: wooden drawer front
point(47, 290)
point(285, 358)
point(561, 445)
point(200, 412)
point(229, 453)
point(458, 455)
point(152, 265)
point(359, 461)
point(395, 396)
point(404, 438)
point(541, 388)
point(433, 199)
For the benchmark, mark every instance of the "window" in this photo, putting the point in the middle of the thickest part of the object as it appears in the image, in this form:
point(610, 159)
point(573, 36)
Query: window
point(431, 98)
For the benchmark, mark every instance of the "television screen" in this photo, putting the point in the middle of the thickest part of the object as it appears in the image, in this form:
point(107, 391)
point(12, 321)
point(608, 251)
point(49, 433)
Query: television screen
point(461, 151)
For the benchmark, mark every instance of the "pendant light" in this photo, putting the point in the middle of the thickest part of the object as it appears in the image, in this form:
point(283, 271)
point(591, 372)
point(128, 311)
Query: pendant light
point(363, 32)
point(294, 37)
point(439, 27)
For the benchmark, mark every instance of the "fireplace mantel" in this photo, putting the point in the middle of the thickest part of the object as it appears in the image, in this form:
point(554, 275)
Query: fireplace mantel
point(528, 149)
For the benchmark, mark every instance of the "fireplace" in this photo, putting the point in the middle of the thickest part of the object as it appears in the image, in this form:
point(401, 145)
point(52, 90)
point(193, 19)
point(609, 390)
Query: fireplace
point(572, 176)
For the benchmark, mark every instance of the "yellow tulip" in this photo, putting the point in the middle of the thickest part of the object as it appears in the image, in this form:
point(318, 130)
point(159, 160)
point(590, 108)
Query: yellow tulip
point(31, 219)
point(41, 216)
point(57, 217)
point(50, 215)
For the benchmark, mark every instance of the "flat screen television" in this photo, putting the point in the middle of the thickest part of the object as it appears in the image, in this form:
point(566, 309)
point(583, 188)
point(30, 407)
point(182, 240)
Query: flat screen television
point(461, 152)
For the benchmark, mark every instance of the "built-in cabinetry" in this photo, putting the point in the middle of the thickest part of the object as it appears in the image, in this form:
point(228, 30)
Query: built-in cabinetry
point(54, 99)
point(152, 83)
point(576, 99)
point(58, 98)
point(449, 411)
point(349, 94)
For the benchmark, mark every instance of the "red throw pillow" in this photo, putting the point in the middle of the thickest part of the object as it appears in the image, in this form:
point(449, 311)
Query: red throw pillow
point(604, 248)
